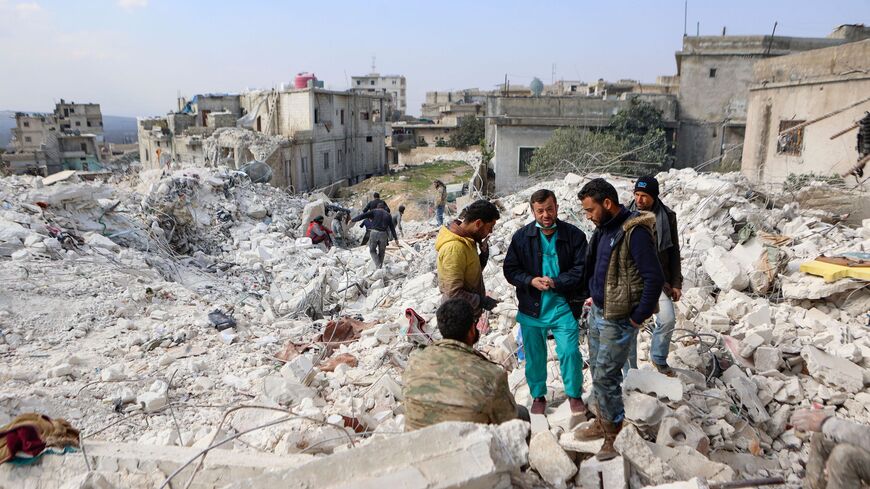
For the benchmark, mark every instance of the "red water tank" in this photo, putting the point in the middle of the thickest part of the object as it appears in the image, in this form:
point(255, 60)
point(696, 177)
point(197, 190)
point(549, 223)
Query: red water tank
point(302, 79)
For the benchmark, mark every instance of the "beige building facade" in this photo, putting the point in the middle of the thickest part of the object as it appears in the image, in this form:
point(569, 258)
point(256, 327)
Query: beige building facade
point(802, 113)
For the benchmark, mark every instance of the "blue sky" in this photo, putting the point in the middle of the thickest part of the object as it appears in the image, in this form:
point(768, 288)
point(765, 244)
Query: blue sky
point(135, 56)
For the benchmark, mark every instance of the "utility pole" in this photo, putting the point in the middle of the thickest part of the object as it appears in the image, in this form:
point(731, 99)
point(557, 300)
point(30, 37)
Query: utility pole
point(685, 16)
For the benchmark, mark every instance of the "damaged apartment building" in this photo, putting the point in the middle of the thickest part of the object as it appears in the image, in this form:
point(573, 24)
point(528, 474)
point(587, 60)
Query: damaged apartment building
point(310, 137)
point(393, 87)
point(67, 139)
point(809, 113)
point(714, 76)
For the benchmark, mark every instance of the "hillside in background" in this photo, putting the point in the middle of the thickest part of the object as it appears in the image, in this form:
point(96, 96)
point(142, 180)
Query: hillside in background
point(117, 129)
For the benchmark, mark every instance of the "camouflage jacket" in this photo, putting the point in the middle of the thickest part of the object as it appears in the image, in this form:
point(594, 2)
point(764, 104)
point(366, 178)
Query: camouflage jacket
point(450, 381)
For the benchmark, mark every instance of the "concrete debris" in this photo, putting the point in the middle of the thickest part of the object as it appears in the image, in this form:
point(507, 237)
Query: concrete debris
point(651, 382)
point(108, 289)
point(446, 455)
point(550, 461)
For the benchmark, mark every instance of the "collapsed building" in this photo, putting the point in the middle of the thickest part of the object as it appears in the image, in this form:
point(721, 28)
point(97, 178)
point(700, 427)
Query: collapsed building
point(228, 352)
point(67, 139)
point(310, 137)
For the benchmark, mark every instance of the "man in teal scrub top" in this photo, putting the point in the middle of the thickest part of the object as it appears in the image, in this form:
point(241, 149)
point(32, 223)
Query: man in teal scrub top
point(545, 263)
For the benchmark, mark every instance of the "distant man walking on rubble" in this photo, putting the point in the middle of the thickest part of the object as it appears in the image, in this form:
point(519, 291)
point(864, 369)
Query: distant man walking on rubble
point(370, 206)
point(451, 381)
point(545, 263)
point(839, 450)
point(397, 220)
point(319, 233)
point(440, 201)
point(646, 198)
point(381, 225)
point(625, 281)
point(460, 268)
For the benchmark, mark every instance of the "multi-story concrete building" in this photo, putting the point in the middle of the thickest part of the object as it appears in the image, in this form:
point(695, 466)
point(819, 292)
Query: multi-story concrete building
point(715, 73)
point(516, 126)
point(391, 85)
point(804, 114)
point(311, 137)
point(67, 139)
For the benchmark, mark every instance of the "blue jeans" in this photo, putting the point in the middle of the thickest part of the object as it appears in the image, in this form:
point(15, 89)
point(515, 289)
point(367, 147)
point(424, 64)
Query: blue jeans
point(660, 346)
point(609, 343)
point(439, 215)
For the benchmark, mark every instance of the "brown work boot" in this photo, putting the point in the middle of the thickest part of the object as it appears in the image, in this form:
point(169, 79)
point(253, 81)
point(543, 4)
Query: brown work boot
point(664, 369)
point(577, 406)
point(539, 405)
point(591, 430)
point(607, 451)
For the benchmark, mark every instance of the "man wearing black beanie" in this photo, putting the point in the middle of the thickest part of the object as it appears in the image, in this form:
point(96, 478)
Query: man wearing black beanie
point(646, 198)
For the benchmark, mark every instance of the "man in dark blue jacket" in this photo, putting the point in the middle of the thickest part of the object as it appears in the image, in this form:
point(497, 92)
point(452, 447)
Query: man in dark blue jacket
point(625, 280)
point(381, 228)
point(545, 263)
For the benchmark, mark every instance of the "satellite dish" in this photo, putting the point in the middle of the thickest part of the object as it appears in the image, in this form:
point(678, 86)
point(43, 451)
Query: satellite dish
point(537, 87)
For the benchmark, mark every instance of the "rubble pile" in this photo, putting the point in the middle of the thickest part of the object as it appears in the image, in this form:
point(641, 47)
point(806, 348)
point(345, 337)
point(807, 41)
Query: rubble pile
point(145, 312)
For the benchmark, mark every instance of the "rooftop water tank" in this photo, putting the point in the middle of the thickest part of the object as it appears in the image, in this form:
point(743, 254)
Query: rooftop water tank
point(302, 80)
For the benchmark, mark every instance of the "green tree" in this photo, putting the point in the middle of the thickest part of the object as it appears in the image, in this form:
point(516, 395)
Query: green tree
point(469, 132)
point(641, 127)
point(577, 150)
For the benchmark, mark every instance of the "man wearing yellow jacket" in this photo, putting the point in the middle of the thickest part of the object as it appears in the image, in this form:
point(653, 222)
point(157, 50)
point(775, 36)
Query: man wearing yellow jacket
point(460, 267)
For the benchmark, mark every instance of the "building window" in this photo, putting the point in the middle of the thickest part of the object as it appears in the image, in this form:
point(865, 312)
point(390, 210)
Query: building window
point(792, 142)
point(72, 110)
point(368, 139)
point(27, 139)
point(26, 124)
point(304, 164)
point(84, 147)
point(394, 82)
point(326, 160)
point(371, 82)
point(316, 116)
point(525, 160)
point(359, 82)
point(573, 88)
point(340, 159)
point(712, 72)
point(78, 123)
point(341, 116)
point(364, 116)
point(89, 123)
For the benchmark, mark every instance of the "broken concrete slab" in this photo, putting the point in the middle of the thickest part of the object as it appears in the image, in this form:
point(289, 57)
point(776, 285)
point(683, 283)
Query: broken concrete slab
point(767, 358)
point(725, 270)
point(833, 371)
point(571, 444)
point(137, 465)
point(564, 419)
point(675, 432)
point(539, 423)
point(643, 410)
point(593, 474)
point(659, 464)
point(445, 455)
point(651, 382)
point(550, 460)
point(747, 393)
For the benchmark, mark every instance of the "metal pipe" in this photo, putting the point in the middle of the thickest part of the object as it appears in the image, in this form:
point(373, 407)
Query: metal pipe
point(767, 481)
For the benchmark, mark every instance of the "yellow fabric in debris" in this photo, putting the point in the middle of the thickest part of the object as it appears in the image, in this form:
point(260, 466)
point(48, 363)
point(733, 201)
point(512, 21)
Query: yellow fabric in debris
point(832, 273)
